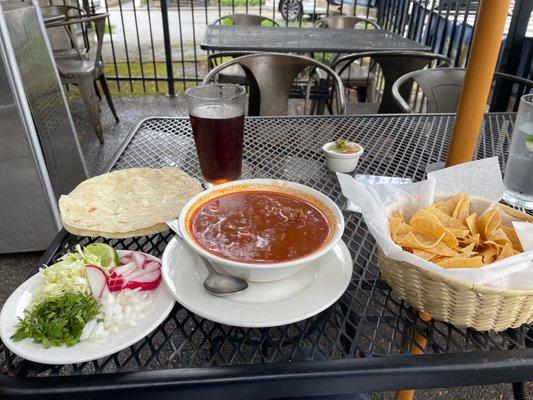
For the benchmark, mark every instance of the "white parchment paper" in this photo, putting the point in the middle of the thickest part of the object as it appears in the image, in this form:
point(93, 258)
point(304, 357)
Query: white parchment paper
point(479, 179)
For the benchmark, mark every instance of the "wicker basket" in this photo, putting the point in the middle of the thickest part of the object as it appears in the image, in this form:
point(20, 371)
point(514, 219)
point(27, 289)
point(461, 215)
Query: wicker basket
point(455, 301)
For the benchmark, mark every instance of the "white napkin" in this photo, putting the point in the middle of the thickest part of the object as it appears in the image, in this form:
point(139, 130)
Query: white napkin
point(478, 179)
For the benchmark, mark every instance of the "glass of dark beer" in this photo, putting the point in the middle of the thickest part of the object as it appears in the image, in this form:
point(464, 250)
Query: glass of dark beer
point(216, 113)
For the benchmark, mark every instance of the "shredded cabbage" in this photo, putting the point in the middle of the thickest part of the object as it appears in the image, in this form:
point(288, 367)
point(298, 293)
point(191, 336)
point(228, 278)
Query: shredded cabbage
point(66, 275)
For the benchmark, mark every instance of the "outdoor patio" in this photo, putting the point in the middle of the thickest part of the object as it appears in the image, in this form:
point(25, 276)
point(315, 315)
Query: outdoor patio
point(133, 110)
point(350, 76)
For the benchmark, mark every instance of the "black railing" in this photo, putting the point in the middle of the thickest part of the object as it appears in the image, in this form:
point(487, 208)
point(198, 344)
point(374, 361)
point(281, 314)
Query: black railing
point(152, 46)
point(447, 26)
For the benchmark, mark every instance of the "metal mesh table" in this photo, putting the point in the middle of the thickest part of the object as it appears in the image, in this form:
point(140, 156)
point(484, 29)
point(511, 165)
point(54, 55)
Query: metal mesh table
point(257, 38)
point(361, 343)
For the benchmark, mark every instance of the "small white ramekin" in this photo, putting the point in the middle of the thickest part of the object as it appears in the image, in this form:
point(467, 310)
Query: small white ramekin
point(338, 162)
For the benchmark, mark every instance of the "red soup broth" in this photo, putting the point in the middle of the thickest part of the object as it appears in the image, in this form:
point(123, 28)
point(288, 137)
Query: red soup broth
point(258, 226)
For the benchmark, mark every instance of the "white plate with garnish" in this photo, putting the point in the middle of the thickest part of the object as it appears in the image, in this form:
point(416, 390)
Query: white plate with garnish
point(127, 328)
point(262, 304)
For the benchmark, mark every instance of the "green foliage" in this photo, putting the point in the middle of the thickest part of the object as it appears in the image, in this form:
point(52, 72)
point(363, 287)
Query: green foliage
point(109, 28)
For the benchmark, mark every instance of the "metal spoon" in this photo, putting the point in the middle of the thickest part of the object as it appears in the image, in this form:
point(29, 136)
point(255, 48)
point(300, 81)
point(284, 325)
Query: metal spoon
point(216, 283)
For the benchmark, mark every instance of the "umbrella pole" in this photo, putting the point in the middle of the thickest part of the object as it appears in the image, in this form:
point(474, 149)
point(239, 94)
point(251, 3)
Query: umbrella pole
point(488, 33)
point(484, 51)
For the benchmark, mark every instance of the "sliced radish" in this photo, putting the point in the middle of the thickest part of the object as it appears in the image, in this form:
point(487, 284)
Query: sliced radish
point(147, 281)
point(115, 284)
point(152, 264)
point(138, 273)
point(123, 270)
point(97, 280)
point(126, 258)
point(139, 258)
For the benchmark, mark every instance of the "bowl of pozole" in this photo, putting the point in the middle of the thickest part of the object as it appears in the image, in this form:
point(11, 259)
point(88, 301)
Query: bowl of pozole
point(261, 230)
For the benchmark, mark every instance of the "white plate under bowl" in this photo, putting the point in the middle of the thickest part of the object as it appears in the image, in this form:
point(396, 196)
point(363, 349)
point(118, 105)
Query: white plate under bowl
point(83, 351)
point(300, 296)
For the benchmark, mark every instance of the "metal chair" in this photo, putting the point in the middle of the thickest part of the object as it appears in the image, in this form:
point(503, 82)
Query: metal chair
point(441, 89)
point(356, 77)
point(394, 64)
point(84, 72)
point(271, 77)
point(235, 74)
point(344, 22)
point(64, 39)
point(245, 19)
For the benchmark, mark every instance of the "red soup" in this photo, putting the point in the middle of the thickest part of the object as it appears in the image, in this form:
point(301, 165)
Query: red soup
point(259, 226)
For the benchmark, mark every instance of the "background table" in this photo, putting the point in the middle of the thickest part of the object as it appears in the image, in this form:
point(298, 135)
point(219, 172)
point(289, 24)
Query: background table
point(358, 344)
point(257, 38)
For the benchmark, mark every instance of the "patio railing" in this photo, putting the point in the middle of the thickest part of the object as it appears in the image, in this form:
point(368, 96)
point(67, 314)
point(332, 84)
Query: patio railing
point(153, 46)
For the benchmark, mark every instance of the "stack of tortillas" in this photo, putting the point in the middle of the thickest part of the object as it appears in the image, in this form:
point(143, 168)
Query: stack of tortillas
point(127, 203)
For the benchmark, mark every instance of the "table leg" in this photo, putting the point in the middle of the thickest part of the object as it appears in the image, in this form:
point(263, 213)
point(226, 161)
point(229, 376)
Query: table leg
point(418, 348)
point(519, 391)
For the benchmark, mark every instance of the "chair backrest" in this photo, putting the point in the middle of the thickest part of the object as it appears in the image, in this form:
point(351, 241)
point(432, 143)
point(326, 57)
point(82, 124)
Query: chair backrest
point(60, 9)
point(344, 22)
point(99, 26)
point(61, 40)
point(271, 76)
point(216, 59)
point(441, 87)
point(245, 19)
point(394, 64)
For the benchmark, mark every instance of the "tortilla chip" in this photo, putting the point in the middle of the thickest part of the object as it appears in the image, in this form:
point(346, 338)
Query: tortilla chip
point(488, 222)
point(476, 239)
point(515, 213)
point(394, 225)
point(459, 233)
point(499, 237)
point(450, 205)
point(489, 254)
point(471, 223)
point(513, 237)
point(428, 224)
point(507, 251)
point(445, 220)
point(469, 249)
point(416, 240)
point(426, 255)
point(462, 210)
point(461, 262)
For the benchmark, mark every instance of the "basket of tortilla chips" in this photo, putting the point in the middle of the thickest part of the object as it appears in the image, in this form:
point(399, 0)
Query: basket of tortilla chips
point(449, 248)
point(451, 235)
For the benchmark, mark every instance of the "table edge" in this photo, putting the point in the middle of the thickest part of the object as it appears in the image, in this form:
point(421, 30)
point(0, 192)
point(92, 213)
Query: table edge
point(288, 379)
point(207, 46)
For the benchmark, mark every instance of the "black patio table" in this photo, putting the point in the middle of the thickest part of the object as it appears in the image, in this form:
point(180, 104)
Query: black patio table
point(257, 38)
point(361, 343)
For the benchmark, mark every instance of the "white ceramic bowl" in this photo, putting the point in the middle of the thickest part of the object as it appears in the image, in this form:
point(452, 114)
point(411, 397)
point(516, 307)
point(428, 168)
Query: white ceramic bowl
point(338, 162)
point(265, 272)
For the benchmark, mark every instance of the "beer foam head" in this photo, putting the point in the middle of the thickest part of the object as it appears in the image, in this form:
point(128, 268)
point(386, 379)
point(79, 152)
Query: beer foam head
point(217, 111)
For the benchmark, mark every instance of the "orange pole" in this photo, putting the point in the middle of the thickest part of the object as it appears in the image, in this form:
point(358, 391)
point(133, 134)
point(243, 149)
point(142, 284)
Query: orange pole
point(488, 33)
point(417, 348)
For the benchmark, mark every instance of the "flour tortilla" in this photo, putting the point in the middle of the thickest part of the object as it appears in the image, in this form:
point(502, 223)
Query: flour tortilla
point(127, 203)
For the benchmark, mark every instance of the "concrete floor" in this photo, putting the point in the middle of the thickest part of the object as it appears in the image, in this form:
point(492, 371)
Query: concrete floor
point(131, 111)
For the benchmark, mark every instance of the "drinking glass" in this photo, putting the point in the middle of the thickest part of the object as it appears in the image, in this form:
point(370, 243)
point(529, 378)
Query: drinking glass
point(518, 179)
point(216, 113)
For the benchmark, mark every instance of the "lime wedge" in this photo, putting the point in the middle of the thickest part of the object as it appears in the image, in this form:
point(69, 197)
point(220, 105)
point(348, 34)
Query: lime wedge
point(107, 254)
